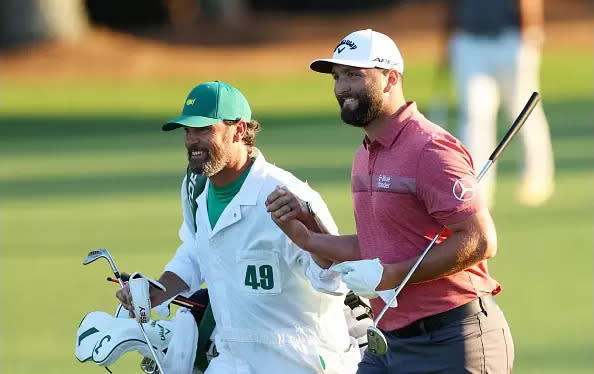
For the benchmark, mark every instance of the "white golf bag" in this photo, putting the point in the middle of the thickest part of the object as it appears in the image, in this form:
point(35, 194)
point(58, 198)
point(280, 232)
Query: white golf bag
point(102, 338)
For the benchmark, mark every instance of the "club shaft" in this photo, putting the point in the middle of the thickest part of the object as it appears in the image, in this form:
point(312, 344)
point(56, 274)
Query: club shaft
point(120, 282)
point(179, 300)
point(516, 126)
point(409, 274)
point(513, 130)
point(179, 303)
point(116, 273)
point(150, 345)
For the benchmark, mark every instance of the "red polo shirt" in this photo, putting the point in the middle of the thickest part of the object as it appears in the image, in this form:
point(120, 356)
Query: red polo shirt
point(407, 184)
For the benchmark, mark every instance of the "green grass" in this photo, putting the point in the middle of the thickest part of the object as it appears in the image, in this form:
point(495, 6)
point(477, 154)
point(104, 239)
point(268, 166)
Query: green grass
point(84, 165)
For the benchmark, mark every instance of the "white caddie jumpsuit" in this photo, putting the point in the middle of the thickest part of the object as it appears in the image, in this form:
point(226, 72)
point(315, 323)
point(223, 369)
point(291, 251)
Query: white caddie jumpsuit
point(268, 296)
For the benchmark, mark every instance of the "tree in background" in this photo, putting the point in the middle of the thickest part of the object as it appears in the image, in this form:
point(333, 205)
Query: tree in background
point(185, 14)
point(24, 21)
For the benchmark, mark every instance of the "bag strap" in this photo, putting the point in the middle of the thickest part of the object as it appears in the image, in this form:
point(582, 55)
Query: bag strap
point(352, 301)
point(195, 184)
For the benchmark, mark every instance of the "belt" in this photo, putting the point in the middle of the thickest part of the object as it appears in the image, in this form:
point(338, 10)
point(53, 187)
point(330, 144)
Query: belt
point(437, 321)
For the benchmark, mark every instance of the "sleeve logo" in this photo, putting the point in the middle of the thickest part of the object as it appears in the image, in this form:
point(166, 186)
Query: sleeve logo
point(464, 189)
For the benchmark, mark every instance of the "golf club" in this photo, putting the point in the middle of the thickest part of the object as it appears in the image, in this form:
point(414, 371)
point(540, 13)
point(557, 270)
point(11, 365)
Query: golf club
point(148, 366)
point(104, 253)
point(179, 300)
point(376, 340)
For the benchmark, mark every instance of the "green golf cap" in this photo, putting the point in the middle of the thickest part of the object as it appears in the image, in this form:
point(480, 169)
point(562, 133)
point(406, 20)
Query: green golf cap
point(209, 103)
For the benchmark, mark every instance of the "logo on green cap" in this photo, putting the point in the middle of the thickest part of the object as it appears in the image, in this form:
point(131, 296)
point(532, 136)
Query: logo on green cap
point(210, 103)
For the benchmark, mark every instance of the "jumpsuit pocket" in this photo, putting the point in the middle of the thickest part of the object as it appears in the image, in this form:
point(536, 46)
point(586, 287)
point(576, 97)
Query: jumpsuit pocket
point(332, 361)
point(258, 272)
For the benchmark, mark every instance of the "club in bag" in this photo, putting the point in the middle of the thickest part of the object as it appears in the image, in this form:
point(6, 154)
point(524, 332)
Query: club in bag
point(104, 253)
point(376, 340)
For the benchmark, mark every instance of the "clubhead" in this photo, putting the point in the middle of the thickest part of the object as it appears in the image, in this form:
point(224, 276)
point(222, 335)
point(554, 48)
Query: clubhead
point(376, 341)
point(103, 253)
point(149, 366)
point(95, 254)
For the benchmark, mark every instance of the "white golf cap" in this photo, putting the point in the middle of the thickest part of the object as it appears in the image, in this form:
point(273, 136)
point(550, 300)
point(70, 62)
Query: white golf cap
point(363, 49)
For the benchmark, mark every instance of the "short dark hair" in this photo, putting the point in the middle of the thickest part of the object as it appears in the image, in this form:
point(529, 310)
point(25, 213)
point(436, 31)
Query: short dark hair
point(249, 138)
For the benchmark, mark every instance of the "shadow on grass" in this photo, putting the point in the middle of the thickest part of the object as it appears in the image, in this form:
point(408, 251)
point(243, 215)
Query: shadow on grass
point(110, 134)
point(570, 117)
point(137, 183)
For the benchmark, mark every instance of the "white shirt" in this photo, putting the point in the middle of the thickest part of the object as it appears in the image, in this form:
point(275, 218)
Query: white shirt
point(269, 298)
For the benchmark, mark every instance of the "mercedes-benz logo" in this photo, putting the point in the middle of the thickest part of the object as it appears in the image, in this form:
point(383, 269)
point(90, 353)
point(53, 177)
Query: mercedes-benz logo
point(464, 189)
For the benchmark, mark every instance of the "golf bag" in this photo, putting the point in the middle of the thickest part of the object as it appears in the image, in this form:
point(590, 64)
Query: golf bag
point(102, 338)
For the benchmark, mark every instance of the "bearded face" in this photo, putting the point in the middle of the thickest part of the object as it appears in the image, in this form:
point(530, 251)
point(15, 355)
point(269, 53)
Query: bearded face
point(362, 106)
point(211, 156)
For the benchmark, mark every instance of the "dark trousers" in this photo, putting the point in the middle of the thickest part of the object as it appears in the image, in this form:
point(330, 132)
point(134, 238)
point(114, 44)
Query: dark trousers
point(480, 343)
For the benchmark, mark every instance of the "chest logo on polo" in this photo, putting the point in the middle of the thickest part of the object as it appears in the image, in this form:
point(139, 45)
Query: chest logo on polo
point(464, 189)
point(384, 181)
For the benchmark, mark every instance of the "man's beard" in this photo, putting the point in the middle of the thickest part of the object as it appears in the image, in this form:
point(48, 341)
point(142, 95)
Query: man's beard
point(217, 158)
point(369, 107)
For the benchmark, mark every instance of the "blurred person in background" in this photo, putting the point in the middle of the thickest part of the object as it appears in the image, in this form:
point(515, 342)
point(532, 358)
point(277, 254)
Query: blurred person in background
point(495, 53)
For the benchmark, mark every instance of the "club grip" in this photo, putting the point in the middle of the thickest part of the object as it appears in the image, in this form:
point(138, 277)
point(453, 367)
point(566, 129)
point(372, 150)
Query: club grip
point(517, 125)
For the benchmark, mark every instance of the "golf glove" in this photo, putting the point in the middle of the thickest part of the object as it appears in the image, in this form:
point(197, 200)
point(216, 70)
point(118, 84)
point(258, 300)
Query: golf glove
point(387, 295)
point(361, 276)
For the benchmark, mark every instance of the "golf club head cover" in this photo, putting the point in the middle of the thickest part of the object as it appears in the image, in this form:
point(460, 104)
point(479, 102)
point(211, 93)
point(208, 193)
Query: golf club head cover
point(121, 312)
point(181, 350)
point(102, 338)
point(140, 295)
point(89, 332)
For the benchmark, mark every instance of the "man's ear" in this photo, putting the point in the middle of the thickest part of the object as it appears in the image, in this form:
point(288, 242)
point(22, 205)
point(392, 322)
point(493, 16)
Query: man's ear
point(393, 78)
point(240, 130)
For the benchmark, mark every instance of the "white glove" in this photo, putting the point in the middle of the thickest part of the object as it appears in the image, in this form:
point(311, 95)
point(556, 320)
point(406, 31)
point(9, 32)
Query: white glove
point(387, 295)
point(140, 295)
point(361, 276)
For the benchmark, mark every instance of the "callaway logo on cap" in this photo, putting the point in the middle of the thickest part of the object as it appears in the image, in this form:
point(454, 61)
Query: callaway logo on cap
point(363, 49)
point(209, 103)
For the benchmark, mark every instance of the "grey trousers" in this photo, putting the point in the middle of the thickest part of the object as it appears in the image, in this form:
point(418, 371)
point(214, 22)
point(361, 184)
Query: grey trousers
point(478, 344)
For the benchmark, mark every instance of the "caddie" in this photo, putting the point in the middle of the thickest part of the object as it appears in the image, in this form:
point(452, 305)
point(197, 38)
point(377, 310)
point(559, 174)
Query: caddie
point(277, 308)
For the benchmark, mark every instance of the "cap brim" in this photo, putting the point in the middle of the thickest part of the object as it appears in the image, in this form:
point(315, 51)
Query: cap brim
point(324, 65)
point(189, 121)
